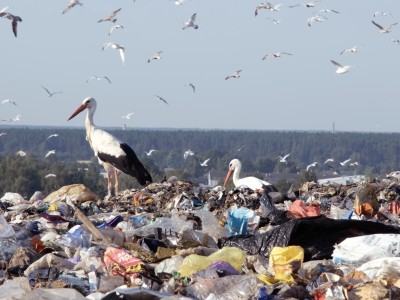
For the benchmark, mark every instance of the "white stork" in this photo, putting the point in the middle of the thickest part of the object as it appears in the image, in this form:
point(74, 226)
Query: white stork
point(112, 154)
point(253, 183)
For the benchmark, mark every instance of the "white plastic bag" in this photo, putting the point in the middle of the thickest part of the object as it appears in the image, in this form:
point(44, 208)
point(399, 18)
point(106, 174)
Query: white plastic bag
point(382, 268)
point(13, 198)
point(358, 250)
point(6, 230)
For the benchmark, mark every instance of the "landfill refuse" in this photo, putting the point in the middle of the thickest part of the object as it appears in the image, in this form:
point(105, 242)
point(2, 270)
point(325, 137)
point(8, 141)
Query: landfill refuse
point(194, 263)
point(359, 250)
point(283, 261)
point(173, 240)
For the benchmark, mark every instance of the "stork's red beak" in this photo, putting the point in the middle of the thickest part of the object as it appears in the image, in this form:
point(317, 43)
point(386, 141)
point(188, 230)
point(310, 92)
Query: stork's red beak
point(81, 108)
point(228, 175)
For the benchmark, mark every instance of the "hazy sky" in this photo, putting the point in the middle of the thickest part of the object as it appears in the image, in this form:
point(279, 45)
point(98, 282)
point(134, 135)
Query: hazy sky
point(295, 92)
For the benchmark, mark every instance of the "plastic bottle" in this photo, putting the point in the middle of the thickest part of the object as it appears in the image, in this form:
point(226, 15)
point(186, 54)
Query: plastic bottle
point(92, 280)
point(263, 294)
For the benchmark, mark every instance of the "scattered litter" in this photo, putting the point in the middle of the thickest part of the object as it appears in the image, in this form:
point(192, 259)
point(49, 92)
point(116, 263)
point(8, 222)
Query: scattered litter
point(172, 240)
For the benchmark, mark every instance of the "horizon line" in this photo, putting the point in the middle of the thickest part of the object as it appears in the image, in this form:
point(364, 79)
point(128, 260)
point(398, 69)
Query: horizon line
point(72, 127)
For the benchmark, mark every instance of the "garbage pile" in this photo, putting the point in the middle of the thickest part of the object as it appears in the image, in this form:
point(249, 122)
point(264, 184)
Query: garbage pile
point(173, 240)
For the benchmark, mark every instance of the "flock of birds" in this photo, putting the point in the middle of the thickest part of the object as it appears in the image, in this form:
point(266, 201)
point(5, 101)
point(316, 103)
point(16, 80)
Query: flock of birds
point(116, 156)
point(22, 153)
point(329, 163)
point(319, 16)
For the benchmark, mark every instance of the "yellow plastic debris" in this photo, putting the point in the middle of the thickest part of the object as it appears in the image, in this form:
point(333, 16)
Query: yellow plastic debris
point(194, 263)
point(53, 207)
point(270, 280)
point(284, 260)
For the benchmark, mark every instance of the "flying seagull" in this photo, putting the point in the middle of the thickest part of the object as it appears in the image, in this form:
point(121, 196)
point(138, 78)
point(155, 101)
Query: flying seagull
point(205, 163)
point(383, 29)
point(192, 86)
point(49, 153)
point(9, 101)
point(14, 19)
point(71, 4)
point(381, 13)
point(161, 99)
point(50, 175)
point(235, 75)
point(3, 134)
point(340, 69)
point(345, 162)
point(191, 22)
point(260, 7)
point(179, 2)
point(284, 158)
point(315, 19)
point(155, 56)
point(128, 116)
point(349, 50)
point(267, 6)
point(187, 153)
point(111, 17)
point(21, 153)
point(275, 55)
point(95, 77)
point(354, 164)
point(115, 27)
point(151, 151)
point(327, 11)
point(54, 135)
point(118, 47)
point(313, 165)
point(50, 94)
point(329, 160)
point(309, 4)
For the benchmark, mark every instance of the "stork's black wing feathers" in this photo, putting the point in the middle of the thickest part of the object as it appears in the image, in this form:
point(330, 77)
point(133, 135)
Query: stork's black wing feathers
point(129, 164)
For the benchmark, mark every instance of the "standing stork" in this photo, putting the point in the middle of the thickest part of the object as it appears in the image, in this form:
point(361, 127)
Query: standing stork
point(111, 153)
point(253, 183)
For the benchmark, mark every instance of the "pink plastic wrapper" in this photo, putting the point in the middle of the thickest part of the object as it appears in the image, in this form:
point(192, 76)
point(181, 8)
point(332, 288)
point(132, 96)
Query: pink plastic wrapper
point(299, 209)
point(121, 262)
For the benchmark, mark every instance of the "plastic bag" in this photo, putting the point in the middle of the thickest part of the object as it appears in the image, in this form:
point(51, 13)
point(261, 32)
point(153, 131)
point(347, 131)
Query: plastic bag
point(174, 223)
point(121, 262)
point(13, 198)
point(340, 213)
point(240, 220)
point(210, 224)
point(76, 237)
point(6, 230)
point(299, 209)
point(235, 287)
point(194, 263)
point(386, 268)
point(283, 261)
point(169, 265)
point(358, 250)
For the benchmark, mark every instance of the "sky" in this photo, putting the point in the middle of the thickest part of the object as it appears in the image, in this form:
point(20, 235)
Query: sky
point(298, 92)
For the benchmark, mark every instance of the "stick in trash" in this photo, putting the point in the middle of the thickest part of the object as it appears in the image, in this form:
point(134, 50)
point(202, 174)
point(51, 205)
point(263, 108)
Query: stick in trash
point(89, 225)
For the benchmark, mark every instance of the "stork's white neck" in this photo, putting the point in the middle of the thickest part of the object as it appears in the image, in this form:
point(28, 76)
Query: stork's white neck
point(89, 124)
point(236, 174)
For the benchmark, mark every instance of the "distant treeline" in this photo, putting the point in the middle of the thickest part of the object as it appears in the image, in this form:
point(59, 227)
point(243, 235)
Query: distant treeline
point(376, 153)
